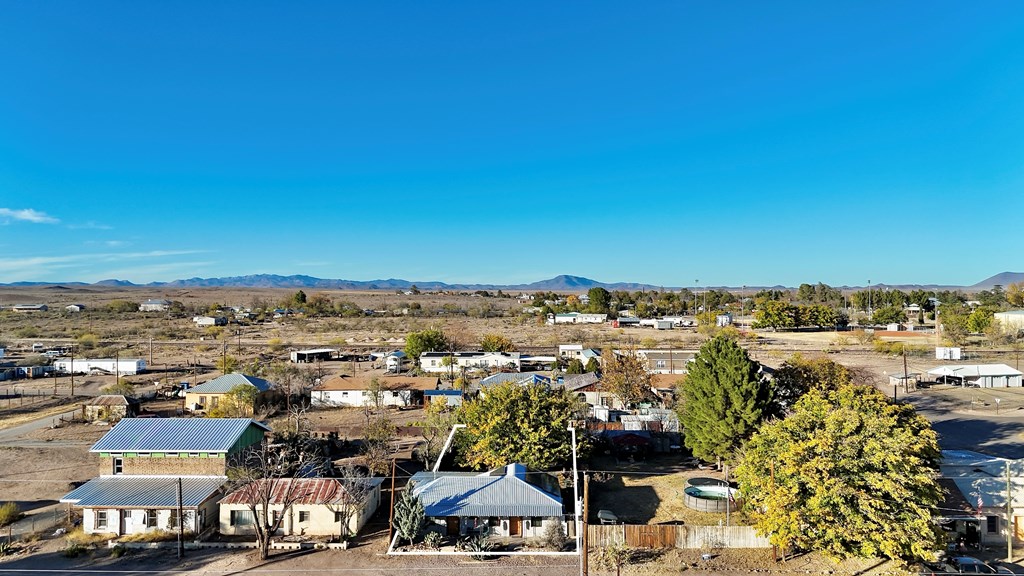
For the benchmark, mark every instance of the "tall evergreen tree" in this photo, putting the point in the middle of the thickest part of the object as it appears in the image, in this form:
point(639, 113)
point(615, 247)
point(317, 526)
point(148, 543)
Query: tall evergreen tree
point(410, 518)
point(724, 400)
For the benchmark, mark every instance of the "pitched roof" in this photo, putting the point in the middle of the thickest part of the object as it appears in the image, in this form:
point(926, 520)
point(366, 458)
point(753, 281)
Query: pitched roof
point(224, 384)
point(303, 491)
point(666, 380)
point(516, 378)
point(971, 370)
point(144, 491)
point(512, 491)
point(572, 382)
point(174, 435)
point(345, 382)
point(108, 400)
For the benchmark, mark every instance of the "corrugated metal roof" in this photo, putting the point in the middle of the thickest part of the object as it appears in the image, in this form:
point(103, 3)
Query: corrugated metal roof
point(174, 435)
point(515, 377)
point(576, 381)
point(975, 370)
point(483, 495)
point(388, 383)
point(224, 384)
point(144, 491)
point(298, 490)
point(108, 400)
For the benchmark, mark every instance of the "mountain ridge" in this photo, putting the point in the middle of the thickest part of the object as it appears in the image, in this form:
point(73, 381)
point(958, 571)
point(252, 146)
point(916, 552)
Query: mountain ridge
point(562, 282)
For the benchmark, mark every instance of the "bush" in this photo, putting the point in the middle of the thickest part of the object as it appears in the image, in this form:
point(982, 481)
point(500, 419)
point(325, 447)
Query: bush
point(73, 550)
point(554, 537)
point(88, 341)
point(9, 513)
point(118, 551)
point(5, 547)
point(432, 540)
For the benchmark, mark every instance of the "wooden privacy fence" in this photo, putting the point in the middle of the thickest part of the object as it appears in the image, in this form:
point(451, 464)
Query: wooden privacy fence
point(675, 536)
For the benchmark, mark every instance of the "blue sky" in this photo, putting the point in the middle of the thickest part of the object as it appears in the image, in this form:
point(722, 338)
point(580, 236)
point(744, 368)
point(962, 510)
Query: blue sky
point(735, 143)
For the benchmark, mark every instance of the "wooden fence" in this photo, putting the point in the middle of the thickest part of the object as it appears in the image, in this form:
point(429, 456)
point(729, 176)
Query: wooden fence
point(675, 536)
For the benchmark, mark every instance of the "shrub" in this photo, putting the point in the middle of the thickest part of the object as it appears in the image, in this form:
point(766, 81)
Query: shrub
point(9, 512)
point(554, 537)
point(5, 547)
point(432, 540)
point(275, 344)
point(118, 551)
point(88, 341)
point(73, 550)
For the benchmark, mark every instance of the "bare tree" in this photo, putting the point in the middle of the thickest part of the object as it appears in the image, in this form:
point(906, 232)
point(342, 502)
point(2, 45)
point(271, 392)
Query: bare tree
point(358, 488)
point(266, 478)
point(626, 376)
point(377, 438)
point(434, 429)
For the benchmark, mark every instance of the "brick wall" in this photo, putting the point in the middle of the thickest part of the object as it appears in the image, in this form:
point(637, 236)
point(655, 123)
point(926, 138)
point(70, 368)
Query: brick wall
point(166, 466)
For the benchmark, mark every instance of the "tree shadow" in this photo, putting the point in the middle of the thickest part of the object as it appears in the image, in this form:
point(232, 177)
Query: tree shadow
point(630, 504)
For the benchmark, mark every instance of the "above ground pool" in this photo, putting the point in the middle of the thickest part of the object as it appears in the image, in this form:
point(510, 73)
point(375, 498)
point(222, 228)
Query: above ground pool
point(709, 495)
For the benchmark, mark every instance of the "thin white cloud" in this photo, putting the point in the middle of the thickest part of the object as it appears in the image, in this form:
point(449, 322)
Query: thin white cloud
point(81, 266)
point(26, 215)
point(90, 225)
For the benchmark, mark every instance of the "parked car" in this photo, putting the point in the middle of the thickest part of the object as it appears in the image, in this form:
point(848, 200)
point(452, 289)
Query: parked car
point(969, 565)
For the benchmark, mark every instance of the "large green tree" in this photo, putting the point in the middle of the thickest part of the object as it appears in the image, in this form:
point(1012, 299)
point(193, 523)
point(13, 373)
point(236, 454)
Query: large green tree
point(847, 473)
point(775, 314)
point(429, 340)
point(512, 423)
point(599, 300)
point(496, 343)
point(724, 400)
point(799, 375)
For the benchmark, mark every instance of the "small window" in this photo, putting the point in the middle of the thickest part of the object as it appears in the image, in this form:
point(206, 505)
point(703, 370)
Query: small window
point(338, 516)
point(202, 400)
point(241, 518)
point(150, 518)
point(660, 364)
point(536, 521)
point(214, 401)
point(101, 520)
point(493, 521)
point(118, 466)
point(275, 515)
point(992, 524)
point(303, 516)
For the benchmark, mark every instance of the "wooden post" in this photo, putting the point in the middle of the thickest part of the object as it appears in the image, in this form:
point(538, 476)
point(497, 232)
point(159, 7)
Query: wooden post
point(586, 537)
point(1009, 516)
point(391, 515)
point(181, 524)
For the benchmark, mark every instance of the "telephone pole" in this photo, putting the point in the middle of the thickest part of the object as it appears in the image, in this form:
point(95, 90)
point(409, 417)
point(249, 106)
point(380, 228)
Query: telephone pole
point(181, 524)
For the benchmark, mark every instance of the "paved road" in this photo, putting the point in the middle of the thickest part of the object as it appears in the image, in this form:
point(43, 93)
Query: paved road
point(13, 436)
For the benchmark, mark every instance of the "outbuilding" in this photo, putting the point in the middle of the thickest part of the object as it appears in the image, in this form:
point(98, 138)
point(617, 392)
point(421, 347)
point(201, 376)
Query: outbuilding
point(980, 375)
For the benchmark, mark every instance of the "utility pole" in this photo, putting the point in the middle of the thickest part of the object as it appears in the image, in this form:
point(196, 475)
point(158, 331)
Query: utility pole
point(151, 351)
point(1009, 516)
point(181, 524)
point(391, 515)
point(906, 376)
point(586, 539)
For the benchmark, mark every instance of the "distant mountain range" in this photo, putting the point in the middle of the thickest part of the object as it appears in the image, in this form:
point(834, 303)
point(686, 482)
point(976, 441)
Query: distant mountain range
point(562, 283)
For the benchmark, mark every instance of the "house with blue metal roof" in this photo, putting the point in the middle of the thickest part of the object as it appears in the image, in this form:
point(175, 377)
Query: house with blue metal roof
point(141, 461)
point(511, 501)
point(210, 395)
point(516, 378)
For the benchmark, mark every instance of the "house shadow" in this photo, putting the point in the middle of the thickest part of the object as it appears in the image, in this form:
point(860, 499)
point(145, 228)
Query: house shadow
point(630, 504)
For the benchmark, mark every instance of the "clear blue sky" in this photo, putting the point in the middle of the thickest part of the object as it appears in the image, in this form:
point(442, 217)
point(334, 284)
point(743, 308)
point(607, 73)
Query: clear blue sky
point(753, 143)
